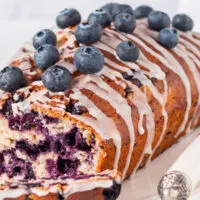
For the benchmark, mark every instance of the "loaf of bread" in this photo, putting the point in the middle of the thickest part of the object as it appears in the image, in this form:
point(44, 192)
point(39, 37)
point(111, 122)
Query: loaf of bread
point(119, 118)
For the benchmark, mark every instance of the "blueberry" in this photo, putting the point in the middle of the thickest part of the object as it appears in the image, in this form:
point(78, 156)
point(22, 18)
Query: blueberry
point(58, 147)
point(83, 146)
point(183, 22)
point(44, 37)
point(124, 22)
point(88, 33)
point(128, 51)
point(64, 165)
point(11, 79)
point(46, 56)
point(52, 168)
point(88, 60)
point(60, 196)
point(101, 17)
point(57, 79)
point(31, 150)
point(127, 91)
point(70, 139)
point(158, 20)
point(109, 8)
point(68, 17)
point(112, 193)
point(168, 37)
point(115, 8)
point(44, 146)
point(142, 11)
point(75, 109)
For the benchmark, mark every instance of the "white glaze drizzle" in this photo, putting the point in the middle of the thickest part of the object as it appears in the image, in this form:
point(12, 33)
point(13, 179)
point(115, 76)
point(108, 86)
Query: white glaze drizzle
point(189, 36)
point(139, 100)
point(190, 46)
point(180, 51)
point(145, 81)
point(104, 91)
point(102, 124)
point(195, 58)
point(173, 65)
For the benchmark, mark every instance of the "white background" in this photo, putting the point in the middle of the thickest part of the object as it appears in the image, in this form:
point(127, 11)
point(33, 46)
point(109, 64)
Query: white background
point(21, 19)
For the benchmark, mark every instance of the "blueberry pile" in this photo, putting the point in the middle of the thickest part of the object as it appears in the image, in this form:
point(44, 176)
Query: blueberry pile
point(87, 59)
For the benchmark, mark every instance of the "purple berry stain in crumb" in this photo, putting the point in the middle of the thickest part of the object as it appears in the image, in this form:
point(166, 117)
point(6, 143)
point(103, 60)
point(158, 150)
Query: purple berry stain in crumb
point(67, 166)
point(16, 166)
point(30, 149)
point(51, 120)
point(7, 109)
point(62, 167)
point(1, 163)
point(59, 148)
point(70, 138)
point(44, 146)
point(52, 168)
point(29, 121)
point(81, 143)
point(75, 109)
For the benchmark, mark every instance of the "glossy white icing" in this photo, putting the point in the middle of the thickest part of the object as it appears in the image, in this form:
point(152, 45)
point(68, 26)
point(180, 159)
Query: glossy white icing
point(104, 91)
point(104, 125)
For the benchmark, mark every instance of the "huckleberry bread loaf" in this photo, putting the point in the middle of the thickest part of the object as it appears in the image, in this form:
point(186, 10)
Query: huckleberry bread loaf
point(111, 93)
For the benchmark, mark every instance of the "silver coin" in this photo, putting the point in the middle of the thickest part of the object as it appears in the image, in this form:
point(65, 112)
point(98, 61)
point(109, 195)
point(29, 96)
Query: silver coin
point(174, 185)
